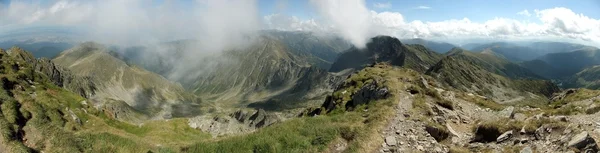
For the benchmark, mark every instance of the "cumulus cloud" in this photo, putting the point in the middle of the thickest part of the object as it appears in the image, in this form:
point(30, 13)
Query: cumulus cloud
point(554, 24)
point(350, 18)
point(383, 5)
point(291, 23)
point(524, 13)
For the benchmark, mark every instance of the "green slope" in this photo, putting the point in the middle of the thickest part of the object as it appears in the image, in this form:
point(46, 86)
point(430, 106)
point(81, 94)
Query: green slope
point(145, 91)
point(587, 78)
point(266, 75)
point(488, 75)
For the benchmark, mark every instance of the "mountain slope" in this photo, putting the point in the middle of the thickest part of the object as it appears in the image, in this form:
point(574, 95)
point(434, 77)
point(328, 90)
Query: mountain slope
point(320, 50)
point(541, 68)
point(266, 74)
point(528, 51)
point(494, 63)
point(439, 47)
point(587, 78)
point(488, 75)
point(386, 49)
point(114, 79)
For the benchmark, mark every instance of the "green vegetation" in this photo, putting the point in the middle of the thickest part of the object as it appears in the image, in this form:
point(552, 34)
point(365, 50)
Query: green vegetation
point(482, 102)
point(577, 95)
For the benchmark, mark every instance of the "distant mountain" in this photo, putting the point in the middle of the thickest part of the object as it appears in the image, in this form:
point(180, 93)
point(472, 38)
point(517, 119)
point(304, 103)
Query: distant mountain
point(541, 68)
point(492, 62)
point(321, 50)
point(440, 47)
point(387, 49)
point(569, 63)
point(145, 91)
point(527, 51)
point(489, 75)
point(45, 49)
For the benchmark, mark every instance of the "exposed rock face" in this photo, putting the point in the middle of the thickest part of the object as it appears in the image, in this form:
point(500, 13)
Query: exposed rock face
point(508, 112)
point(240, 121)
point(257, 119)
point(584, 142)
point(562, 95)
point(367, 93)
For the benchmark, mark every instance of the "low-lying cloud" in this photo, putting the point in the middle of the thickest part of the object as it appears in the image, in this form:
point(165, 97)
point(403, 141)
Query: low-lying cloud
point(349, 17)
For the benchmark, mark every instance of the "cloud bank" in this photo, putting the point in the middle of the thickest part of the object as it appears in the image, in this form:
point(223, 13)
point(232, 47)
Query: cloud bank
point(549, 24)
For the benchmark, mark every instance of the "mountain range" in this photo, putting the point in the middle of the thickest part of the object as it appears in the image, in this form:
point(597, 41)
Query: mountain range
point(299, 92)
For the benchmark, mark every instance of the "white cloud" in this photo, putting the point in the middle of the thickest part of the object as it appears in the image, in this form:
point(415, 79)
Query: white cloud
point(524, 13)
point(293, 23)
point(135, 22)
point(350, 17)
point(554, 24)
point(423, 7)
point(382, 5)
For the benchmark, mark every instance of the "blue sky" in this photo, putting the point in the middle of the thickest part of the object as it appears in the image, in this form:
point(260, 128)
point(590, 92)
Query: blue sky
point(444, 20)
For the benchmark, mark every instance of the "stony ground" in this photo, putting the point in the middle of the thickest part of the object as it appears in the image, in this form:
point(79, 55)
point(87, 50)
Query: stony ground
point(408, 133)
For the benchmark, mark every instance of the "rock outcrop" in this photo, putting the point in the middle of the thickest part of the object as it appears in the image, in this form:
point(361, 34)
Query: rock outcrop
point(240, 121)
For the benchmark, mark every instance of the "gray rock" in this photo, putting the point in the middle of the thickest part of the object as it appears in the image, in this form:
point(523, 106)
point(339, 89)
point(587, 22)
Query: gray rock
point(560, 118)
point(583, 141)
point(439, 120)
point(526, 150)
point(390, 141)
point(451, 130)
point(504, 136)
point(369, 92)
point(420, 148)
point(508, 112)
point(520, 116)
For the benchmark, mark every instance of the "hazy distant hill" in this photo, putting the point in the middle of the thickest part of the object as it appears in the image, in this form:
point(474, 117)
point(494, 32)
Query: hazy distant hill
point(527, 51)
point(569, 63)
point(39, 49)
point(440, 47)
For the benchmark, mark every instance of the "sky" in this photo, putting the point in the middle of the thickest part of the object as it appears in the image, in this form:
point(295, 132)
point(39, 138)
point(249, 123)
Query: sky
point(220, 22)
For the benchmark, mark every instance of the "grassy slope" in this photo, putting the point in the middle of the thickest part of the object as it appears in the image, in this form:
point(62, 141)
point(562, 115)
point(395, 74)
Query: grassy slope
point(38, 115)
point(312, 134)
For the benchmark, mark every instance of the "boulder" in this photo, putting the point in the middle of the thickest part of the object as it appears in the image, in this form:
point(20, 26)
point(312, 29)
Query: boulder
point(560, 118)
point(504, 136)
point(368, 93)
point(583, 141)
point(508, 112)
point(390, 141)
